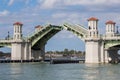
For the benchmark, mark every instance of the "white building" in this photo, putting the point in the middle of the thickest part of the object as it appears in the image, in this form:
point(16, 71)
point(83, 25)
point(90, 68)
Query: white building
point(110, 28)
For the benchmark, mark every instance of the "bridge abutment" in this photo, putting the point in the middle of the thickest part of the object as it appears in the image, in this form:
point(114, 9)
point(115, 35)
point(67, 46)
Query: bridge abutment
point(95, 52)
point(92, 52)
point(17, 51)
point(21, 51)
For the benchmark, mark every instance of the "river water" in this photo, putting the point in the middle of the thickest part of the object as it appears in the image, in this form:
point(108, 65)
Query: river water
point(46, 71)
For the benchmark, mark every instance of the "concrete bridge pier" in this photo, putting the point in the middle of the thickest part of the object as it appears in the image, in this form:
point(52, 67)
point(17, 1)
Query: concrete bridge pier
point(39, 53)
point(43, 52)
point(95, 52)
point(21, 51)
point(102, 53)
point(92, 52)
point(17, 51)
point(27, 51)
point(106, 56)
point(36, 54)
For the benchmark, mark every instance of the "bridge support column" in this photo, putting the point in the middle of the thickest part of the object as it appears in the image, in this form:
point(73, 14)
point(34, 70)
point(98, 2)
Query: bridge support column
point(20, 51)
point(106, 56)
point(92, 52)
point(36, 54)
point(17, 51)
point(27, 51)
point(43, 52)
point(103, 54)
point(102, 57)
point(39, 54)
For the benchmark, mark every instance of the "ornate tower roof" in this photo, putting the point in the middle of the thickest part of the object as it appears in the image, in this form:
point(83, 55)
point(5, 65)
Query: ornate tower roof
point(17, 23)
point(92, 19)
point(110, 22)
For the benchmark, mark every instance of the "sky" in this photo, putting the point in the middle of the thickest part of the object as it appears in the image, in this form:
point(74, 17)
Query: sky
point(57, 12)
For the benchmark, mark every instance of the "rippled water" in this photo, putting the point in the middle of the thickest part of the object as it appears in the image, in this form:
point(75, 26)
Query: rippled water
point(46, 71)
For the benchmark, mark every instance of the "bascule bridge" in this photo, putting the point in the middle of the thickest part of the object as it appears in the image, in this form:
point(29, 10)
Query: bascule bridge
point(99, 48)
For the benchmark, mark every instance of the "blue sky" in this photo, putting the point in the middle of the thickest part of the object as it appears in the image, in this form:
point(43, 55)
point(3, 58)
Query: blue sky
point(42, 12)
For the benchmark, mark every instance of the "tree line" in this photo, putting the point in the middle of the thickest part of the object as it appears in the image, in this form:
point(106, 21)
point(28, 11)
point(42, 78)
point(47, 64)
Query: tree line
point(2, 54)
point(67, 52)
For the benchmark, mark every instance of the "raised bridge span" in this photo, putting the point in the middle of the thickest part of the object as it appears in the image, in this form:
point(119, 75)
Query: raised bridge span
point(98, 48)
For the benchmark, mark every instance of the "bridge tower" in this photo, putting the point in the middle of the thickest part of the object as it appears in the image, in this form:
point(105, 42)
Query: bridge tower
point(17, 42)
point(20, 48)
point(17, 31)
point(110, 28)
point(92, 24)
point(110, 32)
point(92, 42)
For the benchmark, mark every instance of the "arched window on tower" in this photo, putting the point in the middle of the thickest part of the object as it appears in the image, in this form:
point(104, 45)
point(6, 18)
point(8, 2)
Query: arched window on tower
point(93, 33)
point(17, 29)
point(97, 32)
point(89, 28)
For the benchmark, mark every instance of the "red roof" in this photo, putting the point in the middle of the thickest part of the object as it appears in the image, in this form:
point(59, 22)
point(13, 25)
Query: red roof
point(38, 26)
point(17, 23)
point(110, 22)
point(92, 19)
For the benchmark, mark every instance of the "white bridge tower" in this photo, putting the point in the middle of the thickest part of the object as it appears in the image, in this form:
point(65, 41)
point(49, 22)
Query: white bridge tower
point(21, 50)
point(92, 42)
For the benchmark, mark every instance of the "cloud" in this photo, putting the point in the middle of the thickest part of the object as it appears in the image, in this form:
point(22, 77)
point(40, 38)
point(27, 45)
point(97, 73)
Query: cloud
point(59, 15)
point(87, 5)
point(48, 3)
point(89, 2)
point(4, 13)
point(10, 2)
point(65, 35)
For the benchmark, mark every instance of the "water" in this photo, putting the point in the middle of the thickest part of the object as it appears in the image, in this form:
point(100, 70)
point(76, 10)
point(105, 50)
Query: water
point(46, 71)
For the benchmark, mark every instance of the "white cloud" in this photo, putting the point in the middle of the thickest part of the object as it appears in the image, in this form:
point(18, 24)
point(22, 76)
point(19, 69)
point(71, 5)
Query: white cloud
point(4, 13)
point(69, 17)
point(48, 3)
point(83, 2)
point(91, 2)
point(10, 2)
point(65, 35)
point(59, 15)
point(93, 5)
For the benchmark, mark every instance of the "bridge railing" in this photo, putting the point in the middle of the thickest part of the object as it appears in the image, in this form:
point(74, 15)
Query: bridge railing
point(98, 37)
point(82, 28)
point(103, 37)
point(34, 32)
point(5, 41)
point(114, 37)
point(78, 28)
